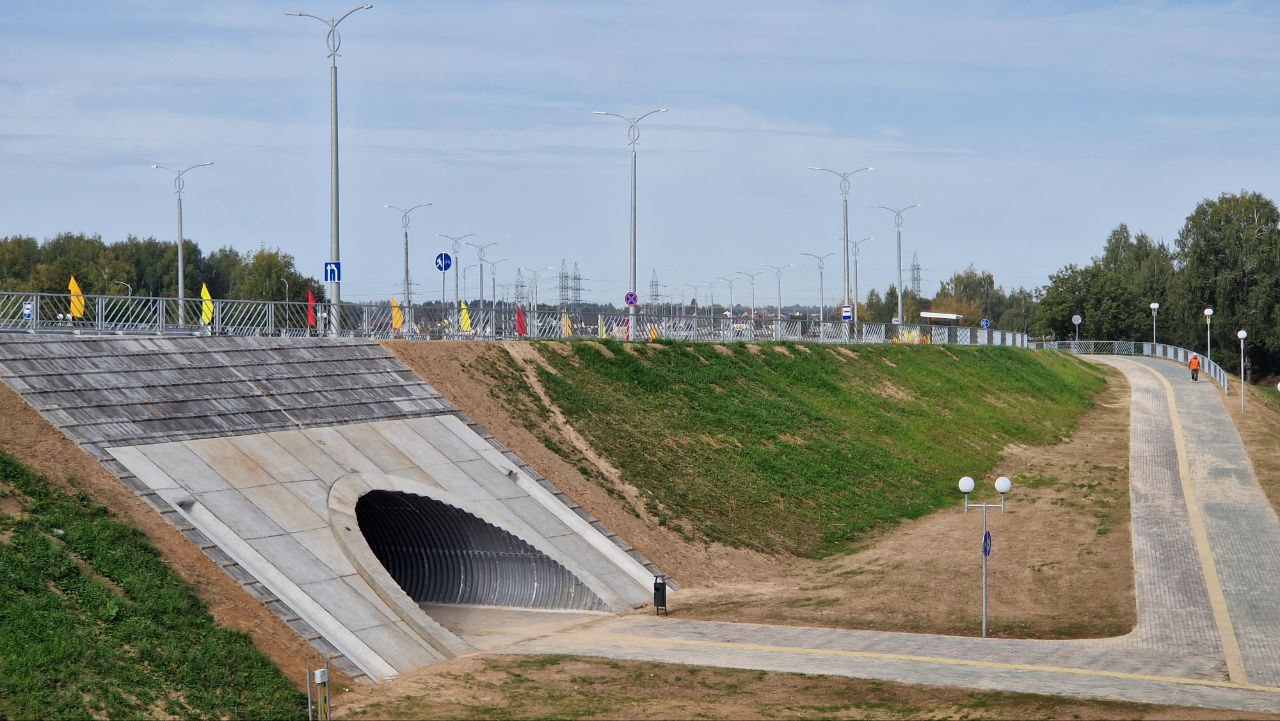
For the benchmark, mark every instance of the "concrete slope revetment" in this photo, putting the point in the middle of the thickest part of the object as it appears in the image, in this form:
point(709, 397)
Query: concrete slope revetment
point(332, 483)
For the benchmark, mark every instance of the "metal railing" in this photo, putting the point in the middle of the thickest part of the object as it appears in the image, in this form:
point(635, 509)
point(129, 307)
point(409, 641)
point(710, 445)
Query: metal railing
point(1128, 347)
point(129, 315)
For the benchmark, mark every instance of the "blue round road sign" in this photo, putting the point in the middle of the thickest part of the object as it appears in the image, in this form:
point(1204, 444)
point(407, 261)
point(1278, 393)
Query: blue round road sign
point(985, 323)
point(986, 543)
point(631, 298)
point(443, 262)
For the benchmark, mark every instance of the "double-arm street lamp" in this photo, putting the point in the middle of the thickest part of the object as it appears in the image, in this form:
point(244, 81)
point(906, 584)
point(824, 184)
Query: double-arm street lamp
point(480, 255)
point(334, 40)
point(404, 225)
point(457, 261)
point(777, 270)
point(897, 221)
point(752, 276)
point(729, 282)
point(856, 295)
point(822, 300)
point(844, 195)
point(1003, 484)
point(633, 137)
point(178, 184)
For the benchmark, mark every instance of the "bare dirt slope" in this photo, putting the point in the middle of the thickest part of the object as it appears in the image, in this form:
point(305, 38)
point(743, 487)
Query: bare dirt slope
point(1062, 566)
point(25, 435)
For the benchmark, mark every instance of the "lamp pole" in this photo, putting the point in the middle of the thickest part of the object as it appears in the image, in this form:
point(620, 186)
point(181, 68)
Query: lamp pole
point(1155, 308)
point(844, 195)
point(777, 323)
point(457, 250)
point(493, 287)
point(633, 136)
point(897, 221)
point(729, 282)
point(130, 288)
point(1003, 484)
point(286, 289)
point(1208, 334)
point(404, 225)
point(856, 294)
point(1242, 334)
point(480, 255)
point(752, 276)
point(334, 41)
point(822, 261)
point(178, 184)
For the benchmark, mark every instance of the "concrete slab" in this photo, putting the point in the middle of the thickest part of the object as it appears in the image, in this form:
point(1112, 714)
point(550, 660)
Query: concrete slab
point(404, 439)
point(441, 438)
point(361, 586)
point(313, 494)
point(273, 458)
point(229, 462)
point(185, 467)
point(283, 507)
point(398, 646)
point(142, 467)
point(375, 447)
point(322, 544)
point(350, 608)
point(464, 433)
point(340, 450)
point(497, 483)
point(239, 514)
point(457, 482)
point(304, 450)
point(543, 522)
point(294, 561)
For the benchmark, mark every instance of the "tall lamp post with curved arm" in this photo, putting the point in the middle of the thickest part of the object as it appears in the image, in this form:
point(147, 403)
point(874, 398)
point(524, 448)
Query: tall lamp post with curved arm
point(178, 185)
point(334, 41)
point(404, 225)
point(633, 136)
point(752, 277)
point(844, 194)
point(729, 282)
point(457, 260)
point(777, 325)
point(856, 294)
point(822, 264)
point(897, 221)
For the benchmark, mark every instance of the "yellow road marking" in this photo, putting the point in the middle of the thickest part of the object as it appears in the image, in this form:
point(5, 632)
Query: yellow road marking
point(1217, 599)
point(631, 640)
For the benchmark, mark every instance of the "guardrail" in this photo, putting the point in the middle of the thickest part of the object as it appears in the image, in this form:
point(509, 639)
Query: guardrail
point(135, 315)
point(1125, 347)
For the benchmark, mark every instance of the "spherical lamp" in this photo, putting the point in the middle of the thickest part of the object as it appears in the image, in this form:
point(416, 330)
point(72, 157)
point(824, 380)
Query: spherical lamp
point(966, 485)
point(1003, 484)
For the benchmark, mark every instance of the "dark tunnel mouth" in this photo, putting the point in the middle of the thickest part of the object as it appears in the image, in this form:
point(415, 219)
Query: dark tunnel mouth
point(441, 554)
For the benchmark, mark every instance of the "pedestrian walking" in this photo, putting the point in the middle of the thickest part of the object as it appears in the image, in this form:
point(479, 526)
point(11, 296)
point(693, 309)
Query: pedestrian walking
point(1195, 367)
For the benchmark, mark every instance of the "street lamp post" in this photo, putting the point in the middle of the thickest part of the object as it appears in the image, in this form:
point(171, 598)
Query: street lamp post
point(1003, 484)
point(334, 41)
point(729, 282)
point(1242, 334)
point(130, 288)
point(822, 307)
point(493, 287)
point(178, 184)
point(897, 221)
point(286, 289)
point(1208, 334)
point(856, 294)
point(777, 324)
point(633, 136)
point(404, 225)
point(480, 255)
point(1155, 308)
point(752, 276)
point(457, 250)
point(844, 195)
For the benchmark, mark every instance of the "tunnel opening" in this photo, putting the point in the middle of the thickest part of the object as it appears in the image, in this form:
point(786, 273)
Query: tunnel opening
point(440, 554)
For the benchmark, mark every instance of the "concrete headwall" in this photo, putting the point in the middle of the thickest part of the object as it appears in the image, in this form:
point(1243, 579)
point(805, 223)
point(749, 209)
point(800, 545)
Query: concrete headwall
point(261, 450)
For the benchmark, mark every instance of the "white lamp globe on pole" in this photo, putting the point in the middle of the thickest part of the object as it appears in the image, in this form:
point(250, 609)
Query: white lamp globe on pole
point(1208, 334)
point(1242, 334)
point(1155, 308)
point(966, 485)
point(1003, 484)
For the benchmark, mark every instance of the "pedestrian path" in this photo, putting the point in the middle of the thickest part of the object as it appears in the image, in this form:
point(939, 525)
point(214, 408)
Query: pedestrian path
point(1206, 547)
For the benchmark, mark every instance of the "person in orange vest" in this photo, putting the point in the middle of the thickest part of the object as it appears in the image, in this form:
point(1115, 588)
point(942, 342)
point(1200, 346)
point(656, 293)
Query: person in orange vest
point(1195, 367)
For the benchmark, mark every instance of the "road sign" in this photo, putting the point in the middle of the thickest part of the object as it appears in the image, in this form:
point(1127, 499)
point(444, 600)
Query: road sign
point(846, 312)
point(631, 298)
point(1077, 319)
point(26, 311)
point(986, 323)
point(986, 543)
point(444, 261)
point(333, 272)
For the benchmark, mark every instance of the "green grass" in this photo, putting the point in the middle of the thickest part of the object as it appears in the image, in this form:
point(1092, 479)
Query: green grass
point(94, 624)
point(802, 451)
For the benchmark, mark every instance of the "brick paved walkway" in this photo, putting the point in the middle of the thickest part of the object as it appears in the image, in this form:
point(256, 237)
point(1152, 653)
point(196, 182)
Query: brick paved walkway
point(1207, 562)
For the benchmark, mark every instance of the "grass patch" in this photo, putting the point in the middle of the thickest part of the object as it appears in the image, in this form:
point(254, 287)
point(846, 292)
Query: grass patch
point(94, 624)
point(801, 451)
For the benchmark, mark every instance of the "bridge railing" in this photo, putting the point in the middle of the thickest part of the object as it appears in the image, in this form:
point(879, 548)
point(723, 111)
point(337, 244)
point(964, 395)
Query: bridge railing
point(1126, 347)
point(132, 315)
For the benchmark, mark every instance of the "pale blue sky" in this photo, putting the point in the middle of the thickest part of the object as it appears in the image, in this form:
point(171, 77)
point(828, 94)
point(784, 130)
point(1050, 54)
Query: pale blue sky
point(1027, 129)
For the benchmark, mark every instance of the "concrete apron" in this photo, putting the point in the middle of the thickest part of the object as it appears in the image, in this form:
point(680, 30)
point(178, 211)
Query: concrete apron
point(283, 506)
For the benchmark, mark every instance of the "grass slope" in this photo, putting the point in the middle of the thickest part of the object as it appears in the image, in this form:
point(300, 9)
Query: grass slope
point(94, 624)
point(799, 449)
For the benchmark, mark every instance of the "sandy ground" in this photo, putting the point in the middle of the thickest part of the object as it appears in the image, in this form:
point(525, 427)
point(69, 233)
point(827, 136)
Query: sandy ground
point(1062, 565)
point(571, 687)
point(25, 435)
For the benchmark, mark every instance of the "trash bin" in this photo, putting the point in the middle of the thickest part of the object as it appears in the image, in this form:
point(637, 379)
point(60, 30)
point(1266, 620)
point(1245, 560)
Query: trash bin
point(660, 595)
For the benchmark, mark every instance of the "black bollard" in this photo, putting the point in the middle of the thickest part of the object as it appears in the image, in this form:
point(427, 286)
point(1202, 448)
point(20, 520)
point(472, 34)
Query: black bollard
point(660, 595)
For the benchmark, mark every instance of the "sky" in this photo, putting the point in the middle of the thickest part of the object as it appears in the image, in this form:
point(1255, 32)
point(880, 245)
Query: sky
point(1026, 130)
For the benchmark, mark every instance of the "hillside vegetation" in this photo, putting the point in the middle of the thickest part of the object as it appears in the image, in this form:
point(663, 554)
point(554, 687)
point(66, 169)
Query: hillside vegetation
point(94, 624)
point(799, 448)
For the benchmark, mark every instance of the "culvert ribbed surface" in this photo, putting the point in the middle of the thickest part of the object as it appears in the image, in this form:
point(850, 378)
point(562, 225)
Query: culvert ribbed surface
point(441, 554)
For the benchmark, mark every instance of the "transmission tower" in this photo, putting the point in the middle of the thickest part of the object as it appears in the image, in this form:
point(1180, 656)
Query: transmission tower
point(577, 285)
point(566, 287)
point(655, 289)
point(915, 274)
point(522, 290)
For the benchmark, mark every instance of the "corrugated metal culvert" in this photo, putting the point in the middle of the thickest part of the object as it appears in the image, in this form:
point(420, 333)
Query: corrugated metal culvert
point(441, 554)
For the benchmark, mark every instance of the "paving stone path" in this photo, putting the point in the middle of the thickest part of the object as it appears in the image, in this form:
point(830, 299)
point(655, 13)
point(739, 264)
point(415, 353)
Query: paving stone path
point(1206, 547)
